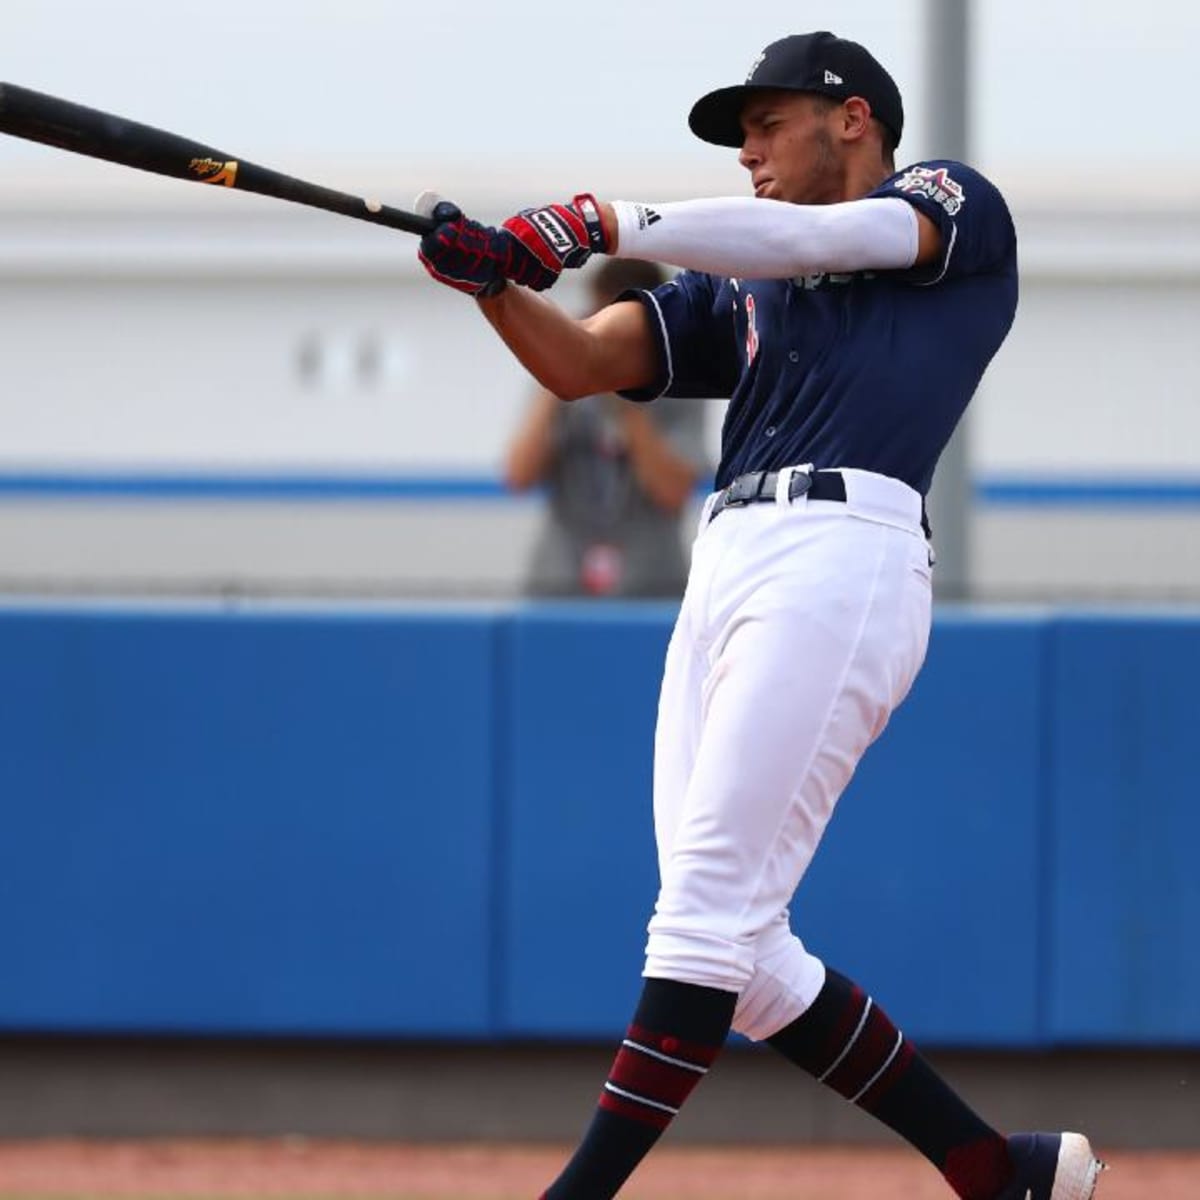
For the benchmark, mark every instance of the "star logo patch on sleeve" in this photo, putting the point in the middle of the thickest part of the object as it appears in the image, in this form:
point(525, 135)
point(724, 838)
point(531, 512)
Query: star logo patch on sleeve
point(937, 184)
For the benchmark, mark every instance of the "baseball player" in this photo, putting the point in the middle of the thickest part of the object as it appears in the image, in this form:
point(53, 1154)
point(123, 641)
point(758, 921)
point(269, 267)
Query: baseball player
point(848, 310)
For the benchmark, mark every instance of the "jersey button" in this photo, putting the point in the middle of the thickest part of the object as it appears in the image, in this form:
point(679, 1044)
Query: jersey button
point(794, 356)
point(770, 431)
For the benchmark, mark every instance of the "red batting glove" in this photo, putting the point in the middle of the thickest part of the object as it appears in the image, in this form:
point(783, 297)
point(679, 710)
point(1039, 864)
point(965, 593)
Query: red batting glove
point(560, 236)
point(480, 260)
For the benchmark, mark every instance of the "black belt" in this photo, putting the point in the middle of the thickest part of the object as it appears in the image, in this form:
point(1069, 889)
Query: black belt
point(759, 486)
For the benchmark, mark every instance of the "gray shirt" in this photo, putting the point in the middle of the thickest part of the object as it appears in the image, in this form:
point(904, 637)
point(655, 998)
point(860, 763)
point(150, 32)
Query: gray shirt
point(602, 534)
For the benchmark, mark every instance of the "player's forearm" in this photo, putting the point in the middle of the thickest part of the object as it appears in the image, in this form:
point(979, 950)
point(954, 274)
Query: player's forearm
point(553, 347)
point(608, 352)
point(765, 239)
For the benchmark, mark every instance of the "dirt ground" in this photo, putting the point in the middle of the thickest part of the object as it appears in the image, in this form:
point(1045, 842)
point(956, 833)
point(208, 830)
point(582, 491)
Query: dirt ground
point(303, 1168)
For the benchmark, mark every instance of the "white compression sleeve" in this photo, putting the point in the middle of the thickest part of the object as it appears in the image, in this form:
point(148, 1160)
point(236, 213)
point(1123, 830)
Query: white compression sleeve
point(769, 239)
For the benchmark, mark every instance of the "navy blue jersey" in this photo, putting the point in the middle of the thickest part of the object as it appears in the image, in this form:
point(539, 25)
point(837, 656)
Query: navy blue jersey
point(871, 369)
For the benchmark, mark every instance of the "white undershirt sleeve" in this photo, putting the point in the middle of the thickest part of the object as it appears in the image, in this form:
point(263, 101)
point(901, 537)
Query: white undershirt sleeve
point(743, 237)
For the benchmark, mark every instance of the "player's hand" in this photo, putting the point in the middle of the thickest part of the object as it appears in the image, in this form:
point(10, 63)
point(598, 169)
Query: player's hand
point(464, 254)
point(560, 236)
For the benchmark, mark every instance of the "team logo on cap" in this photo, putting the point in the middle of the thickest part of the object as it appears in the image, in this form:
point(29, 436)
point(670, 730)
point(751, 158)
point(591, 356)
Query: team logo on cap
point(934, 182)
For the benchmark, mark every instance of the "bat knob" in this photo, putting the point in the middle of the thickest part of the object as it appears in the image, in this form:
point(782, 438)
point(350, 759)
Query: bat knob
point(426, 202)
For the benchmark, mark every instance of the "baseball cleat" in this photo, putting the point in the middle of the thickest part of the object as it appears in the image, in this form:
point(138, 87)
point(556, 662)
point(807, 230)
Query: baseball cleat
point(1052, 1166)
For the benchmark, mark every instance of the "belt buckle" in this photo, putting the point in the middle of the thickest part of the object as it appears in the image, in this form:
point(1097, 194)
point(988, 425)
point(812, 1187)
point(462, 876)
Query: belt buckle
point(743, 490)
point(799, 482)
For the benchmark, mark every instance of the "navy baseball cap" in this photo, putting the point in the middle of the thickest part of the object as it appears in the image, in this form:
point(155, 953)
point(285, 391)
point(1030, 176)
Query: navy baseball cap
point(804, 62)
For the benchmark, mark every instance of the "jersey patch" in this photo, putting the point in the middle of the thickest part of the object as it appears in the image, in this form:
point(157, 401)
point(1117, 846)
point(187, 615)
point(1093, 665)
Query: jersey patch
point(936, 184)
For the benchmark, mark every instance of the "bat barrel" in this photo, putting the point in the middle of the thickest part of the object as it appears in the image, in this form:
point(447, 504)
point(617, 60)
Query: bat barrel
point(52, 121)
point(66, 125)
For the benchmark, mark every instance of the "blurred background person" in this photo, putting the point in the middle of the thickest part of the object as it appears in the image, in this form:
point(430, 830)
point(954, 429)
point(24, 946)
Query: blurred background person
point(618, 477)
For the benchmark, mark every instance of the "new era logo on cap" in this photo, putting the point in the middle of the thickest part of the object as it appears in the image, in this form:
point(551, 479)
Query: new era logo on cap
point(830, 77)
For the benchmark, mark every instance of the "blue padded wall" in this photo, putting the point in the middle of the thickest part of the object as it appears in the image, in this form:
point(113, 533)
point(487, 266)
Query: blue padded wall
point(428, 824)
point(230, 824)
point(1125, 841)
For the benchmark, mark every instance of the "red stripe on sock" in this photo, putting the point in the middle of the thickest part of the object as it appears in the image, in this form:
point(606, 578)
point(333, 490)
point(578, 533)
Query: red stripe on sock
point(645, 1075)
point(866, 1056)
point(843, 1030)
point(634, 1071)
point(896, 1068)
point(692, 1052)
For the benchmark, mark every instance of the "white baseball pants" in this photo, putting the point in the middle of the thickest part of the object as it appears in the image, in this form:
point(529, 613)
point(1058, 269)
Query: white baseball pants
point(803, 626)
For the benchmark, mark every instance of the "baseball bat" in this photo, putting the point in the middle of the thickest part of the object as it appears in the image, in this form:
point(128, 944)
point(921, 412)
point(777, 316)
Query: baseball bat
point(55, 122)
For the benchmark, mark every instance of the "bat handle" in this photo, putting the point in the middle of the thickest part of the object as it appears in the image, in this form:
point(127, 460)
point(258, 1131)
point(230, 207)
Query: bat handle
point(396, 218)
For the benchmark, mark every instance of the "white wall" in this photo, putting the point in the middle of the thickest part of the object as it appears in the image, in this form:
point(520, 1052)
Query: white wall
point(1059, 84)
point(152, 328)
point(202, 338)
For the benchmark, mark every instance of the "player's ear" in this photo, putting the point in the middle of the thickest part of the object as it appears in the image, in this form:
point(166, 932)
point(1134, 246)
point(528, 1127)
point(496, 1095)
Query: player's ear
point(856, 118)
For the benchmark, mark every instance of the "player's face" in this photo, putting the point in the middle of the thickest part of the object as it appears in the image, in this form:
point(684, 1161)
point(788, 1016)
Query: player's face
point(789, 149)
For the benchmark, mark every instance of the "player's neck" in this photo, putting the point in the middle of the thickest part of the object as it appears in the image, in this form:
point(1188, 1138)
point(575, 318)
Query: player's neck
point(863, 178)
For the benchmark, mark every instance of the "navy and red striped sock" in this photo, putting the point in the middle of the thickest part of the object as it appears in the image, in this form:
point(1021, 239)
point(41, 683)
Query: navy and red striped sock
point(677, 1032)
point(848, 1042)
